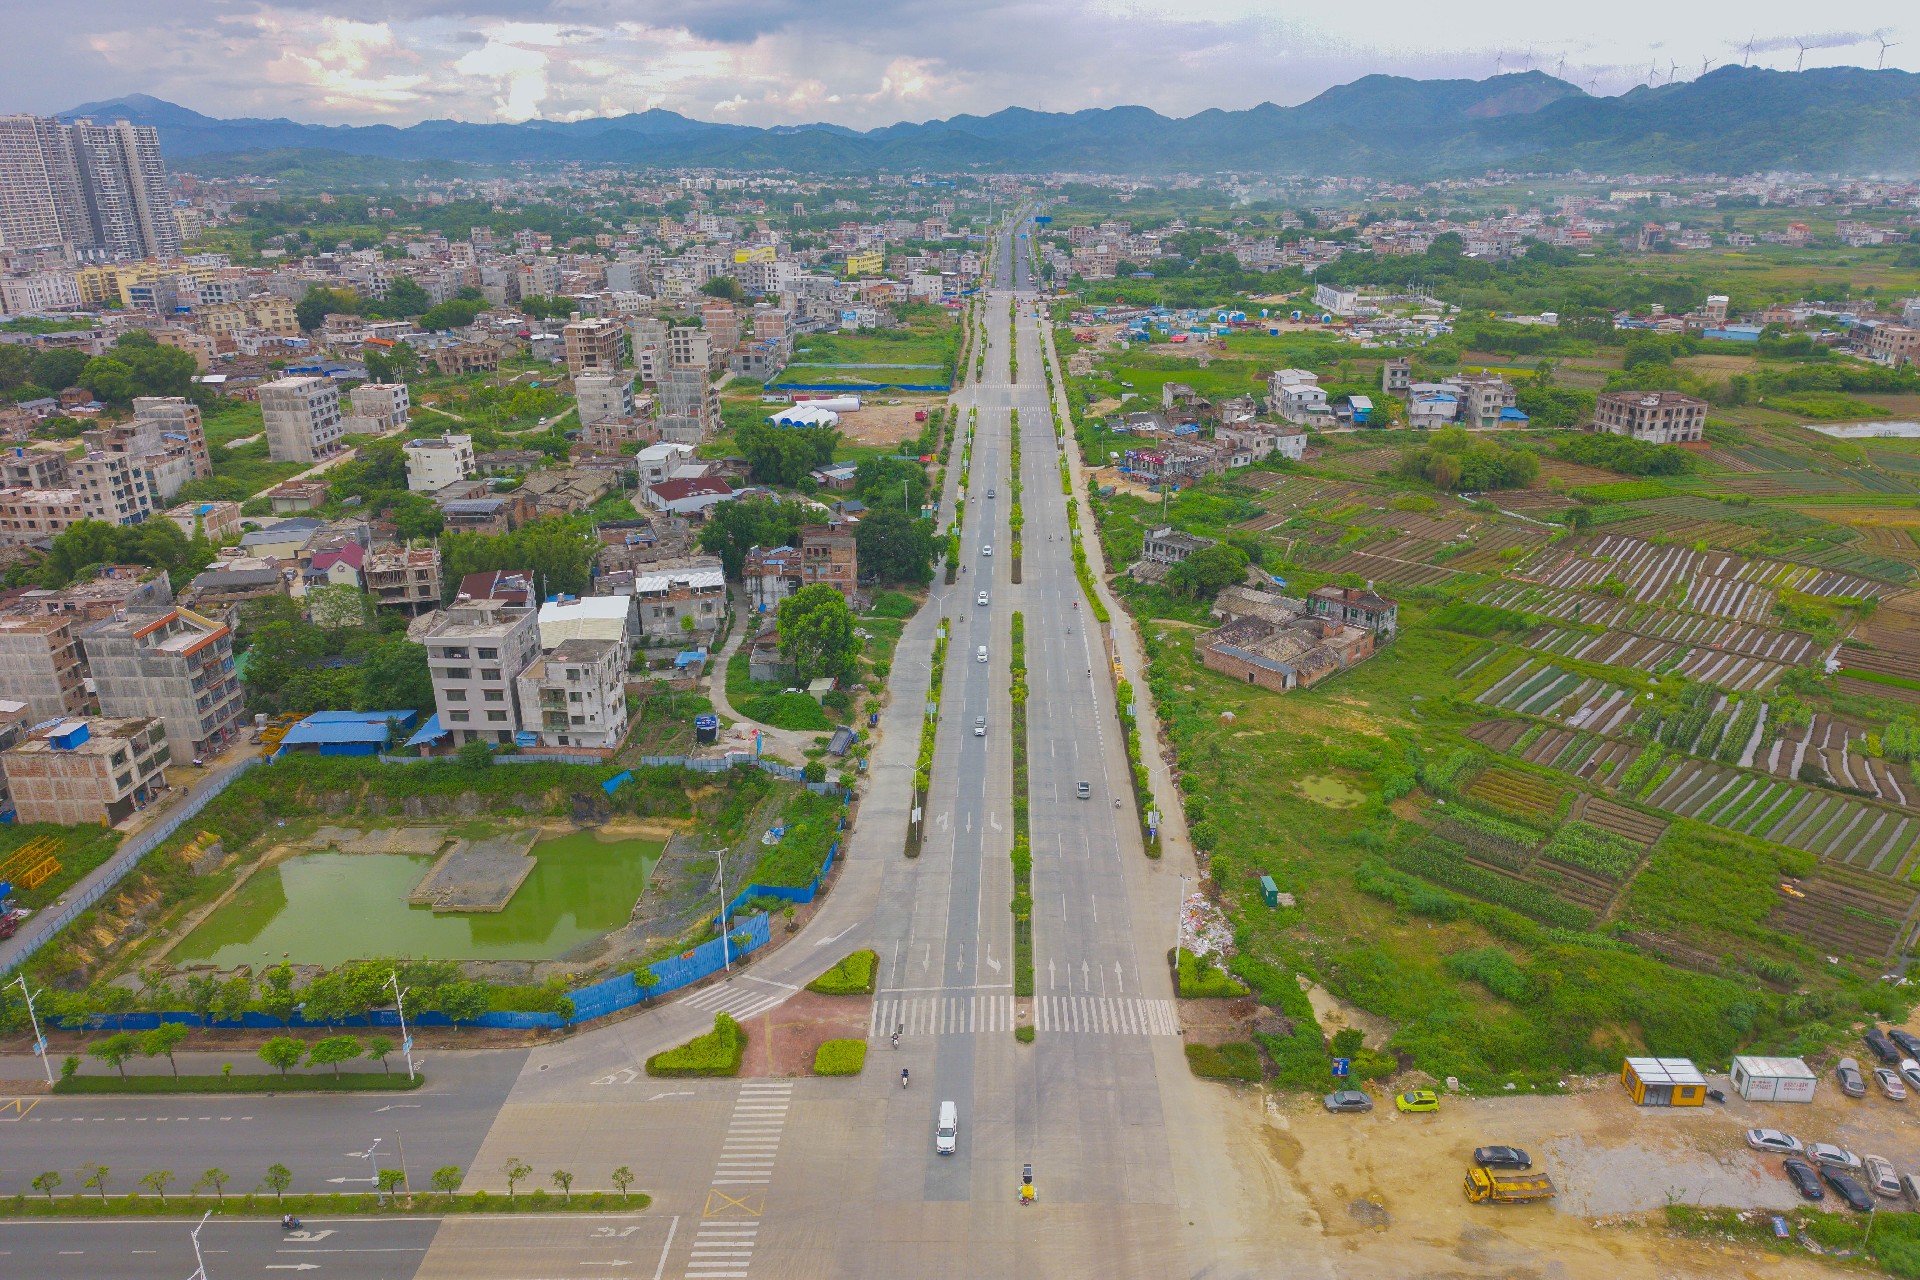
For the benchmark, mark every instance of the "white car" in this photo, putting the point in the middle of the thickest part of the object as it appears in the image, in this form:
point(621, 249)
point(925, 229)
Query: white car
point(1911, 1070)
point(1772, 1140)
point(1832, 1157)
point(982, 598)
point(987, 549)
point(1881, 1179)
point(980, 654)
point(979, 726)
point(1890, 1084)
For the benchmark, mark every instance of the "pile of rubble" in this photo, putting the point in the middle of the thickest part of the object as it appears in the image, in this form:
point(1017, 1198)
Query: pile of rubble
point(1203, 929)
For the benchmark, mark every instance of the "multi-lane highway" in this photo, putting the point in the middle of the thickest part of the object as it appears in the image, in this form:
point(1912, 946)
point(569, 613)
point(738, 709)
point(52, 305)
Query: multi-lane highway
point(839, 1178)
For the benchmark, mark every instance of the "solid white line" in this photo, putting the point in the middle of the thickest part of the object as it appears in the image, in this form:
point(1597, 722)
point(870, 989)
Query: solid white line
point(672, 1227)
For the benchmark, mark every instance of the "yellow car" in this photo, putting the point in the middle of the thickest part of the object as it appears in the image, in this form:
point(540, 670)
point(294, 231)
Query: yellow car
point(1418, 1100)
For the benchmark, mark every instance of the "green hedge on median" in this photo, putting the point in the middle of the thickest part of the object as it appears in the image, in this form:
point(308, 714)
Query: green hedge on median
point(717, 1053)
point(1236, 1061)
point(840, 1058)
point(853, 976)
point(352, 1082)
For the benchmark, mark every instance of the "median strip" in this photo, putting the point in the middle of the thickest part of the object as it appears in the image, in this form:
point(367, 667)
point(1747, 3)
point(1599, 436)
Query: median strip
point(1022, 853)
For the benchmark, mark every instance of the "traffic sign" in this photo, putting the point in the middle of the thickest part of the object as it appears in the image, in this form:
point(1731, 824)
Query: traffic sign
point(1341, 1066)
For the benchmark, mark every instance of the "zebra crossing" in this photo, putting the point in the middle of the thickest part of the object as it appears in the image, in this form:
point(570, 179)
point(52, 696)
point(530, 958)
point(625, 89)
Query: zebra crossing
point(723, 1243)
point(963, 1014)
point(744, 997)
point(972, 1013)
point(1106, 1015)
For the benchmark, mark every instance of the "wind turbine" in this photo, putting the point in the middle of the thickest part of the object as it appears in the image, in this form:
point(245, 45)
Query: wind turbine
point(1705, 63)
point(1653, 72)
point(1560, 72)
point(1673, 70)
point(1746, 59)
point(1499, 67)
point(1801, 60)
point(1884, 46)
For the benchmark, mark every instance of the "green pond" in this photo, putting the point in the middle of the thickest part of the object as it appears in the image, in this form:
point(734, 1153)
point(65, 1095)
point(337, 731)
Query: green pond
point(325, 908)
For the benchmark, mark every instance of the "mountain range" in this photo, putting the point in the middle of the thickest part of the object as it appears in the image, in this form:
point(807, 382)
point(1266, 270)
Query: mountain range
point(1731, 120)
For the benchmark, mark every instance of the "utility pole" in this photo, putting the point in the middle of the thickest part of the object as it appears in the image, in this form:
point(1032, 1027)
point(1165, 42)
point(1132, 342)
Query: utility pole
point(400, 1004)
point(39, 1041)
point(200, 1270)
point(1179, 906)
point(726, 955)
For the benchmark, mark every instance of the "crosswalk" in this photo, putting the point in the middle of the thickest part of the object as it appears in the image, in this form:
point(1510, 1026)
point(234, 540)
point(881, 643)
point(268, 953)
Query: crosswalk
point(1106, 1015)
point(973, 1013)
point(969, 1013)
point(745, 996)
point(723, 1243)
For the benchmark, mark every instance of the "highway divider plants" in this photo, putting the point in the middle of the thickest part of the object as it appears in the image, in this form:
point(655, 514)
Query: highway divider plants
point(717, 1053)
point(1022, 838)
point(255, 1204)
point(853, 976)
point(1016, 521)
point(1136, 765)
point(351, 1082)
point(929, 729)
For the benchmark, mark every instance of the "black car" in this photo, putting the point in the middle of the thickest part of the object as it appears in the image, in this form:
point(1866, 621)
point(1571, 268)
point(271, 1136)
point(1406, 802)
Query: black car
point(1882, 1047)
point(1502, 1158)
point(1849, 1190)
point(1908, 1042)
point(1804, 1179)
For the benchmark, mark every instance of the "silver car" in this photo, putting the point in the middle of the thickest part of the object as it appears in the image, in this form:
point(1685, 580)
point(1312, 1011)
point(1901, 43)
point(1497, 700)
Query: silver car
point(1911, 1071)
point(979, 726)
point(1772, 1140)
point(1829, 1156)
point(1852, 1083)
point(1881, 1179)
point(1348, 1100)
point(1890, 1083)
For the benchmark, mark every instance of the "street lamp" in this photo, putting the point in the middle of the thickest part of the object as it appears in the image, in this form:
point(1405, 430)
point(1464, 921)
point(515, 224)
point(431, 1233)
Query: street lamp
point(200, 1269)
point(373, 1153)
point(39, 1041)
point(400, 1004)
point(1179, 906)
point(726, 955)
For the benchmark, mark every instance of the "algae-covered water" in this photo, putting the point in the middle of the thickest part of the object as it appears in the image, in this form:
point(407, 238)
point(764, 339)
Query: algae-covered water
point(325, 908)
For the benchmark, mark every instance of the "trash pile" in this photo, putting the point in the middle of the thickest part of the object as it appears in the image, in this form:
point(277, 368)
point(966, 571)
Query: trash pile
point(1203, 929)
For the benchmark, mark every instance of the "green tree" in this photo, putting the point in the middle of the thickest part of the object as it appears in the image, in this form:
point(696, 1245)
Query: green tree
point(278, 1178)
point(378, 1047)
point(463, 1001)
point(277, 999)
point(475, 754)
point(405, 297)
point(515, 1170)
point(333, 1051)
point(734, 528)
point(390, 1180)
point(1208, 571)
point(339, 607)
point(784, 455)
point(394, 676)
point(454, 313)
point(58, 368)
point(895, 547)
point(157, 1181)
point(283, 1053)
point(47, 1183)
point(234, 998)
point(891, 483)
point(162, 1041)
point(96, 1178)
point(816, 633)
point(622, 1178)
point(725, 287)
point(214, 1180)
point(115, 1050)
point(563, 1180)
point(446, 1179)
point(312, 310)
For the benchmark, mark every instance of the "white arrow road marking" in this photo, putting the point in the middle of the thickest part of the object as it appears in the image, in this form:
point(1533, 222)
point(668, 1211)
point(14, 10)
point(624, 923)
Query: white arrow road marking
point(994, 818)
point(969, 824)
point(991, 962)
point(293, 1266)
point(309, 1237)
point(617, 1262)
point(926, 957)
point(943, 821)
point(961, 961)
point(836, 937)
point(397, 1106)
point(1086, 982)
point(678, 1093)
point(1050, 980)
point(1119, 978)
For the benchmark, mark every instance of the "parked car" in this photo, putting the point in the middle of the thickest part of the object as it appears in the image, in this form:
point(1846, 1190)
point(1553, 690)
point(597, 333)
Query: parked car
point(1847, 1188)
point(1829, 1156)
point(1418, 1100)
point(1847, 1071)
point(1348, 1100)
point(1908, 1042)
point(1804, 1179)
point(1882, 1047)
point(1773, 1140)
point(990, 493)
point(1881, 1178)
point(1502, 1158)
point(1890, 1083)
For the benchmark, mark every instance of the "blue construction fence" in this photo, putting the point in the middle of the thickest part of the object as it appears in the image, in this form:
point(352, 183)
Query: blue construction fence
point(855, 388)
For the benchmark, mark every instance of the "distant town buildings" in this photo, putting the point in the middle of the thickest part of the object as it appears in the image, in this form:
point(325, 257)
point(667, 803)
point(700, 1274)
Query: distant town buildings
point(434, 462)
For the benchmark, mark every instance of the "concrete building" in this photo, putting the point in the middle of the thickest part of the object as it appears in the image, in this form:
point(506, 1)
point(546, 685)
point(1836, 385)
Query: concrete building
point(1168, 545)
point(603, 395)
point(689, 403)
point(112, 486)
point(476, 651)
point(1657, 417)
point(576, 696)
point(36, 515)
point(603, 617)
point(1356, 607)
point(31, 292)
point(592, 346)
point(80, 772)
point(1487, 400)
point(40, 665)
point(434, 462)
point(16, 720)
point(215, 521)
point(85, 186)
point(666, 597)
point(404, 578)
point(1282, 653)
point(169, 440)
point(22, 468)
point(171, 663)
point(1396, 375)
point(378, 407)
point(1893, 344)
point(303, 419)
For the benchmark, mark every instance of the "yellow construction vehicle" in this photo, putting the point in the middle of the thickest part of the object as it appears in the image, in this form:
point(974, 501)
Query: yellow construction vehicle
point(1507, 1186)
point(276, 730)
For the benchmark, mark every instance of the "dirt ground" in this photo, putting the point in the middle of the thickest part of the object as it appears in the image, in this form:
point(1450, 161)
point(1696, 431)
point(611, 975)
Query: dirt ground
point(876, 422)
point(782, 1041)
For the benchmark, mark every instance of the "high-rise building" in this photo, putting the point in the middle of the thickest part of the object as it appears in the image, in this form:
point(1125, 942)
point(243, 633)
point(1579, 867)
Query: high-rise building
point(85, 185)
point(171, 663)
point(477, 650)
point(303, 419)
point(687, 409)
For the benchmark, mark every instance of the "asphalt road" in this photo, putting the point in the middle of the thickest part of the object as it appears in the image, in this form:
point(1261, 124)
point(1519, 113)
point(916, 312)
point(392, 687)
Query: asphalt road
point(111, 1249)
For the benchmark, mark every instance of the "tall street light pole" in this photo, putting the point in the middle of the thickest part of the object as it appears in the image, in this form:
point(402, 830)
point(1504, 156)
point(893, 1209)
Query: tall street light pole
point(400, 1004)
point(200, 1270)
point(39, 1041)
point(726, 954)
point(1178, 907)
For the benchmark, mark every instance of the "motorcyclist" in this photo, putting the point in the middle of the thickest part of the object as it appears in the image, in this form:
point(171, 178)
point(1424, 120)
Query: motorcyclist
point(903, 1077)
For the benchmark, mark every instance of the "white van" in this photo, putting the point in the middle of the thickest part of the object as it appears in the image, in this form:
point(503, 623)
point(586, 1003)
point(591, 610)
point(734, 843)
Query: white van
point(946, 1136)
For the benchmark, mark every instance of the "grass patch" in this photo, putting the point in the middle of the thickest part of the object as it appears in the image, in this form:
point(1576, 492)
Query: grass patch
point(1200, 981)
point(1238, 1060)
point(840, 1058)
point(1023, 1034)
point(853, 976)
point(1880, 677)
point(717, 1053)
point(785, 711)
point(351, 1082)
point(89, 1205)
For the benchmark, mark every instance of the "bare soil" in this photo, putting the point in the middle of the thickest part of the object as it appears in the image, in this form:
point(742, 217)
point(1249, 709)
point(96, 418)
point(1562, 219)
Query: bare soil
point(876, 422)
point(782, 1041)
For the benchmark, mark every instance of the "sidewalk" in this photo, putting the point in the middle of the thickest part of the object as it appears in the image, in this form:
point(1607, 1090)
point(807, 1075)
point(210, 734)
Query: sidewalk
point(790, 744)
point(1176, 848)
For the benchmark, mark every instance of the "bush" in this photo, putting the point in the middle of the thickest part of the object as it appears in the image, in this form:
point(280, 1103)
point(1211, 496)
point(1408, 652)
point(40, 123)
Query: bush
point(717, 1053)
point(1023, 1034)
point(1239, 1060)
point(1206, 981)
point(853, 976)
point(785, 711)
point(840, 1058)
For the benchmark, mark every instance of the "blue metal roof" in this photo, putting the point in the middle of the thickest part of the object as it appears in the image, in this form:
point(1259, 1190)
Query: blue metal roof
point(428, 732)
point(332, 727)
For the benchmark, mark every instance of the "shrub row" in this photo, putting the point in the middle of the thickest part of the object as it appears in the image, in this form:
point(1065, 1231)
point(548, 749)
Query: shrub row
point(1583, 845)
point(1022, 852)
point(840, 1058)
point(717, 1053)
point(853, 976)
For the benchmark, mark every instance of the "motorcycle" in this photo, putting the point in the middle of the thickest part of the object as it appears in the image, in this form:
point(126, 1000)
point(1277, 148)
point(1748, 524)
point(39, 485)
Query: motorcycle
point(903, 1077)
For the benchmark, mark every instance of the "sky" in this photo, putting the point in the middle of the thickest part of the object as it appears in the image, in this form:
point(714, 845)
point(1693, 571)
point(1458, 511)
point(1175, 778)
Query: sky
point(865, 63)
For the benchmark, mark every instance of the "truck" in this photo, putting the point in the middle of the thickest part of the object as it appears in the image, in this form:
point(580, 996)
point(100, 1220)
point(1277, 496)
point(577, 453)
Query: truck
point(1507, 1186)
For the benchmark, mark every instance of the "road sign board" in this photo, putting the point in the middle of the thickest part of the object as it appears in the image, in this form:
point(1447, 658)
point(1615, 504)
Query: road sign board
point(1341, 1066)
